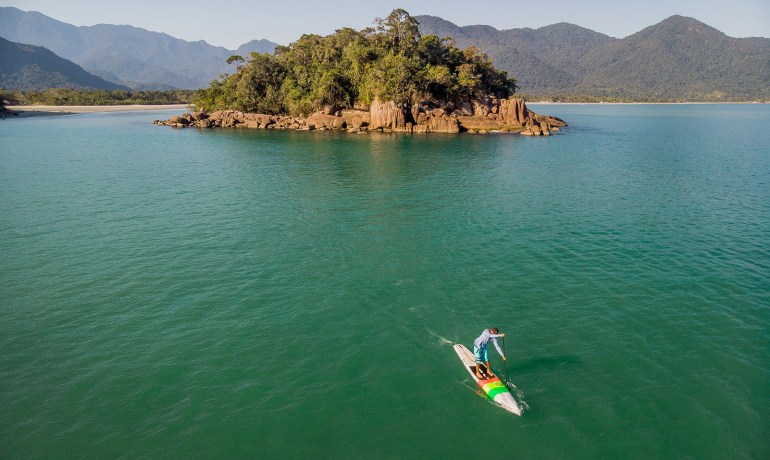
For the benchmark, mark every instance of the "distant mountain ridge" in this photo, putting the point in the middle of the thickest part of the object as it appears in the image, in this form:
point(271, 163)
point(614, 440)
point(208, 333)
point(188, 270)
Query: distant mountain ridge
point(124, 54)
point(679, 58)
point(28, 68)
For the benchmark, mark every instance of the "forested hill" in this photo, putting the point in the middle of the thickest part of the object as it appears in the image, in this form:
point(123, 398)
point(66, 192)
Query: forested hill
point(27, 67)
point(679, 58)
point(350, 69)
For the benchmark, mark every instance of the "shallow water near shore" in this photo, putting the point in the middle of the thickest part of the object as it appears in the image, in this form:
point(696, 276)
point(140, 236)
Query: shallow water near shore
point(249, 293)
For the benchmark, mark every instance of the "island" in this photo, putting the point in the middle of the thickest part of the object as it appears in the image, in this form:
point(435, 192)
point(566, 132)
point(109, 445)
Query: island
point(385, 78)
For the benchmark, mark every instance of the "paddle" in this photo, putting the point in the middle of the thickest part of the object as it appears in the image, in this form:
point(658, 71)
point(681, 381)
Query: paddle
point(505, 365)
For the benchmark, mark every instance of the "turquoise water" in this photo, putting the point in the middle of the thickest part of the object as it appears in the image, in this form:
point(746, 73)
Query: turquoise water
point(251, 294)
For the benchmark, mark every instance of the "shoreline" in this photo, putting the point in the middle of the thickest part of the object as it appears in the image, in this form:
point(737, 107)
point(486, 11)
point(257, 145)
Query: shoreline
point(491, 115)
point(24, 111)
point(646, 103)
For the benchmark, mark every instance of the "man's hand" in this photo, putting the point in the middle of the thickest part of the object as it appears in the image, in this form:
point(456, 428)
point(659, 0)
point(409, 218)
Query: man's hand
point(502, 335)
point(503, 357)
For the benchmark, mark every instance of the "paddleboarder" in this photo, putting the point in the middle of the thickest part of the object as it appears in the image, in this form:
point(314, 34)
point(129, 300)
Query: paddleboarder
point(481, 351)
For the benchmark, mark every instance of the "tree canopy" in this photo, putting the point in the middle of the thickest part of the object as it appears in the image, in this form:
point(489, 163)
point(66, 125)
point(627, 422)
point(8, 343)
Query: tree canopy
point(351, 68)
point(70, 96)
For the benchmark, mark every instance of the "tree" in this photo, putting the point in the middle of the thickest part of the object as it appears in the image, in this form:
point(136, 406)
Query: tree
point(258, 85)
point(400, 32)
point(436, 80)
point(395, 76)
point(235, 58)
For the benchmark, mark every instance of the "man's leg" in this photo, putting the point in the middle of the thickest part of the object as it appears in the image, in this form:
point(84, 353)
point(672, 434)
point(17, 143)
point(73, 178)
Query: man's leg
point(478, 354)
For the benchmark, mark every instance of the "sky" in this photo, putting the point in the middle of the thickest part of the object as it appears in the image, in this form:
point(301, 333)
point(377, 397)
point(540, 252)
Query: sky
point(234, 22)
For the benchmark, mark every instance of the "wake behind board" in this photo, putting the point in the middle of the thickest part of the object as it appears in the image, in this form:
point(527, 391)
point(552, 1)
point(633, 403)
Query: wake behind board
point(492, 386)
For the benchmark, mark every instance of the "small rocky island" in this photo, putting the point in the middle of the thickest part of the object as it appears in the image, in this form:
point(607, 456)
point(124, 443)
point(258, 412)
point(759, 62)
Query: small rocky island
point(491, 115)
point(385, 78)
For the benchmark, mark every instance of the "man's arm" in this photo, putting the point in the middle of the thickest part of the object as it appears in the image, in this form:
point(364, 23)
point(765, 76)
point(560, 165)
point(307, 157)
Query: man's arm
point(498, 345)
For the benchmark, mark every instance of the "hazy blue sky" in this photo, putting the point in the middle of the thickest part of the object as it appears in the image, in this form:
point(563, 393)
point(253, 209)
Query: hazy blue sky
point(231, 23)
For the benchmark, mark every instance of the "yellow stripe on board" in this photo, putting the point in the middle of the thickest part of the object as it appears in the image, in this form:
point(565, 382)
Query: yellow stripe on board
point(489, 386)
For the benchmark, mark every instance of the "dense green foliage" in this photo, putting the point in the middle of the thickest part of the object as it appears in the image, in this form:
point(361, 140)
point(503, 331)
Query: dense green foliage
point(351, 68)
point(67, 96)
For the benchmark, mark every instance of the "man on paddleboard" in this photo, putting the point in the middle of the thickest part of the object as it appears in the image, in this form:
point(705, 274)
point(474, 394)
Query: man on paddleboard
point(481, 352)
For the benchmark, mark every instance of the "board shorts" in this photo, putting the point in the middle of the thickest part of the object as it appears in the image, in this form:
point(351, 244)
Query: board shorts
point(481, 354)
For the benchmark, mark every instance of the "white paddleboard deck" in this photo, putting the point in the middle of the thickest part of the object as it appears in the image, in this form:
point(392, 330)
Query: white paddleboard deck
point(492, 386)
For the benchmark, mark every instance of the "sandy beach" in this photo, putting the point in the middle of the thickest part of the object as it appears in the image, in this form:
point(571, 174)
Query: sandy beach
point(44, 110)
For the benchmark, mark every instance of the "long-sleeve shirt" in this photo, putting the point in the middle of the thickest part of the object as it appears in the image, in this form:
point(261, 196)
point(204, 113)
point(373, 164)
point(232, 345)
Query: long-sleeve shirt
point(483, 340)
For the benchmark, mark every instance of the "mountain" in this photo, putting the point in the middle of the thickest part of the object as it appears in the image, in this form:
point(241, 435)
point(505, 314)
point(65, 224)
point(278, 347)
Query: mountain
point(28, 67)
point(679, 58)
point(124, 54)
point(255, 46)
point(542, 60)
point(683, 58)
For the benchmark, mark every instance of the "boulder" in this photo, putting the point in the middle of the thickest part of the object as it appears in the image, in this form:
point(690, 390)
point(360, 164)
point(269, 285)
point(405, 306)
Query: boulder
point(555, 121)
point(522, 113)
point(356, 118)
point(356, 123)
point(321, 120)
point(437, 112)
point(415, 111)
point(443, 125)
point(258, 120)
point(465, 109)
point(478, 124)
point(330, 109)
point(227, 118)
point(217, 115)
point(178, 120)
point(481, 108)
point(387, 115)
point(514, 112)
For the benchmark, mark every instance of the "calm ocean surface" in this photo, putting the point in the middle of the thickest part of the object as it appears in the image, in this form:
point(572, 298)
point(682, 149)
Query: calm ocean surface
point(251, 294)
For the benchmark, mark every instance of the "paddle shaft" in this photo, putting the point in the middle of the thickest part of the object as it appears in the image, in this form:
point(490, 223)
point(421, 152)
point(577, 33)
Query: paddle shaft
point(505, 365)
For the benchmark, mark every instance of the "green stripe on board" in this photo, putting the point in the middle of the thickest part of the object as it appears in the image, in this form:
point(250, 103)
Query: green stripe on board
point(496, 391)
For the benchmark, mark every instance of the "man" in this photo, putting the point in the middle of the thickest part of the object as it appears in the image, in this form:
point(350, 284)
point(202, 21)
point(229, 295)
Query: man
point(481, 352)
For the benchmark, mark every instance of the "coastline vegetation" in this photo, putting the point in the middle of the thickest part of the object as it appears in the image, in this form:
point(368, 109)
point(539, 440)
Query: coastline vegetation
point(579, 98)
point(350, 68)
point(70, 96)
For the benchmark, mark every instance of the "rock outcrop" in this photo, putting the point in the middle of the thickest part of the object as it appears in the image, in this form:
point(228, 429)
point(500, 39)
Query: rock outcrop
point(388, 115)
point(482, 116)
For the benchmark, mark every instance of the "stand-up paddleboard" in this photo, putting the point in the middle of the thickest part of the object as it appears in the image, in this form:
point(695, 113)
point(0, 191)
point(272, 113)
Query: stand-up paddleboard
point(492, 386)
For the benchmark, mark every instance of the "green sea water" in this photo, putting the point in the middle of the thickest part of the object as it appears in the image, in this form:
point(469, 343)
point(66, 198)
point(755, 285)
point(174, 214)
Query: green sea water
point(253, 294)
